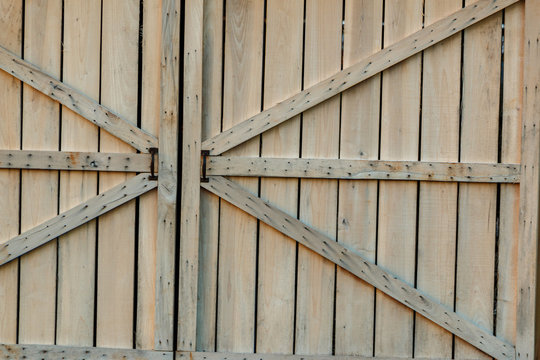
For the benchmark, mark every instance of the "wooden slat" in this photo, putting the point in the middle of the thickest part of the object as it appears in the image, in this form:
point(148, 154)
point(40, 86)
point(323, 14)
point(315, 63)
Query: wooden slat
point(39, 189)
point(318, 198)
point(190, 193)
point(75, 217)
point(363, 169)
point(76, 101)
point(150, 119)
point(357, 211)
point(244, 29)
point(438, 202)
point(477, 202)
point(353, 75)
point(44, 352)
point(74, 160)
point(209, 212)
point(527, 302)
point(262, 356)
point(116, 231)
point(510, 146)
point(77, 249)
point(277, 254)
point(10, 138)
point(358, 265)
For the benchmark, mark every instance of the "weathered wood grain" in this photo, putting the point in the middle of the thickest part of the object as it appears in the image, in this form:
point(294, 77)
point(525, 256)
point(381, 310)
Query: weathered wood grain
point(263, 356)
point(73, 218)
point(353, 75)
point(352, 261)
point(53, 352)
point(75, 160)
point(363, 169)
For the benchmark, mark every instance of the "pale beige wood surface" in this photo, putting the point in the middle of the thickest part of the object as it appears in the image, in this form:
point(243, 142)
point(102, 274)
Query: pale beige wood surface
point(438, 202)
point(74, 217)
point(70, 158)
point(351, 76)
point(357, 212)
point(10, 134)
point(396, 243)
point(150, 107)
point(39, 193)
point(363, 169)
point(318, 198)
point(352, 261)
point(116, 234)
point(527, 345)
point(507, 282)
point(261, 356)
point(277, 253)
point(209, 203)
point(77, 249)
point(238, 231)
point(190, 193)
point(477, 202)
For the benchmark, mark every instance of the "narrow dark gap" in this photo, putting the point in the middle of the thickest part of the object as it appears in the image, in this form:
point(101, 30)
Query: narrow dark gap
point(180, 116)
point(299, 187)
point(378, 186)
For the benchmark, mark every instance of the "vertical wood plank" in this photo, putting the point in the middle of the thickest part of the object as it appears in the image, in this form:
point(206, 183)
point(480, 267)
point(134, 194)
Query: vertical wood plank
point(191, 163)
point(150, 108)
point(10, 134)
point(238, 230)
point(77, 249)
point(438, 202)
point(477, 202)
point(116, 236)
point(318, 198)
point(357, 219)
point(277, 253)
point(209, 213)
point(398, 200)
point(39, 202)
point(527, 346)
point(514, 24)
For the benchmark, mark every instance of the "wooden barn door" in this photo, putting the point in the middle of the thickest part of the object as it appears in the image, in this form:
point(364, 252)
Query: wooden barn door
point(87, 245)
point(360, 163)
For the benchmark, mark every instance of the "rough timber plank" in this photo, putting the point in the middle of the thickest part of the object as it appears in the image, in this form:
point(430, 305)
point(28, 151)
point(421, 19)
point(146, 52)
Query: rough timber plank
point(527, 345)
point(116, 234)
point(357, 212)
point(238, 231)
point(277, 253)
point(477, 202)
point(191, 162)
point(150, 108)
point(209, 213)
point(396, 242)
point(262, 356)
point(353, 75)
point(77, 249)
point(39, 189)
point(512, 97)
point(358, 265)
point(363, 169)
point(318, 198)
point(72, 159)
point(10, 135)
point(75, 217)
point(438, 202)
point(44, 352)
point(75, 100)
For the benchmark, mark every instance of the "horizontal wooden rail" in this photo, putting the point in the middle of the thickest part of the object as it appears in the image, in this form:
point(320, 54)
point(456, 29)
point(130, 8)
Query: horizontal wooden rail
point(363, 268)
point(67, 160)
point(76, 101)
point(75, 217)
point(55, 352)
point(188, 355)
point(363, 169)
point(353, 75)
